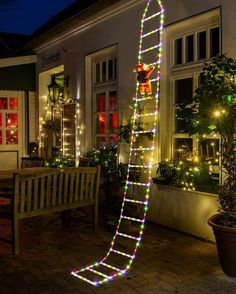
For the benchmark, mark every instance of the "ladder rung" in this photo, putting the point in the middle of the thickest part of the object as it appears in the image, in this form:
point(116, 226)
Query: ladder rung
point(149, 49)
point(144, 132)
point(150, 33)
point(122, 253)
point(139, 166)
point(98, 273)
point(154, 80)
point(145, 115)
point(135, 201)
point(138, 184)
point(133, 219)
point(129, 236)
point(144, 98)
point(85, 279)
point(110, 266)
point(142, 149)
point(152, 16)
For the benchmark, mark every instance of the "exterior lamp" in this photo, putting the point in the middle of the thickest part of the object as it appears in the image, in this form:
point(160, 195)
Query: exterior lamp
point(55, 91)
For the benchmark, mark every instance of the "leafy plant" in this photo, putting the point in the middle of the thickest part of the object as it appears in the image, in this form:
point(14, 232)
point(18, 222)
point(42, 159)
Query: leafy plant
point(213, 110)
point(106, 157)
point(186, 174)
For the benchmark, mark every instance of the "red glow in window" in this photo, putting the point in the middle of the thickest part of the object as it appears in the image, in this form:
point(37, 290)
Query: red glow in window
point(11, 120)
point(101, 102)
point(11, 137)
point(114, 120)
point(112, 101)
point(102, 123)
point(113, 139)
point(0, 119)
point(14, 103)
point(3, 103)
point(0, 137)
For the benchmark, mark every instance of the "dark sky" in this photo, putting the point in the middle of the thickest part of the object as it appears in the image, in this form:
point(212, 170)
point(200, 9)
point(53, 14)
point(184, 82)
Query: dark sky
point(25, 16)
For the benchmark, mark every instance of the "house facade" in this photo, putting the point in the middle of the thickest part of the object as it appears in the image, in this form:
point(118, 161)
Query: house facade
point(95, 51)
point(91, 55)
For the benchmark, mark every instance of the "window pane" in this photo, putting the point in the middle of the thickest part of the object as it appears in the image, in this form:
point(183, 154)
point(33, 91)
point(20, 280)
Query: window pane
point(215, 41)
point(14, 103)
point(113, 140)
point(0, 137)
point(104, 71)
point(183, 90)
point(3, 103)
point(101, 141)
point(178, 51)
point(114, 68)
point(189, 48)
point(97, 79)
point(110, 69)
point(11, 137)
point(202, 45)
point(183, 148)
point(112, 101)
point(0, 120)
point(101, 103)
point(101, 123)
point(11, 120)
point(113, 122)
point(209, 150)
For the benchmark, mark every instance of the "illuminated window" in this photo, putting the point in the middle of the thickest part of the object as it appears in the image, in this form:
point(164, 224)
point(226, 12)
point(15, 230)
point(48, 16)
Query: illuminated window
point(9, 121)
point(106, 118)
point(105, 101)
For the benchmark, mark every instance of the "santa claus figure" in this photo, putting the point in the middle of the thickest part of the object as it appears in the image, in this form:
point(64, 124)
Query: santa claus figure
point(143, 73)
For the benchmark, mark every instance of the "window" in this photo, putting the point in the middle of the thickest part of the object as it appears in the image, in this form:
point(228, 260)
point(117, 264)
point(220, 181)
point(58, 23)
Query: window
point(206, 148)
point(9, 121)
point(106, 118)
point(178, 51)
point(202, 45)
point(189, 48)
point(183, 92)
point(205, 43)
point(214, 42)
point(105, 93)
point(105, 70)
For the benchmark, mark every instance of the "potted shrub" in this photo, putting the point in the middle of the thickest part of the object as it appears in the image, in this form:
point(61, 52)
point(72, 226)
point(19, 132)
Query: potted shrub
point(213, 110)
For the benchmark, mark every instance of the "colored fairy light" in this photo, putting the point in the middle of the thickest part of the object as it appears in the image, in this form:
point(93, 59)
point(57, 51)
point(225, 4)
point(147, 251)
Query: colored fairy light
point(97, 268)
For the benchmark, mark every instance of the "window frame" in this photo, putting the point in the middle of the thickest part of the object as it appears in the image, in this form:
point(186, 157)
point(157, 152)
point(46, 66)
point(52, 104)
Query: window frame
point(104, 86)
point(196, 49)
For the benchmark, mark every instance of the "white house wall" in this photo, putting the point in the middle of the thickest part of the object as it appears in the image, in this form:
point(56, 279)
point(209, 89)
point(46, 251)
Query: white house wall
point(123, 30)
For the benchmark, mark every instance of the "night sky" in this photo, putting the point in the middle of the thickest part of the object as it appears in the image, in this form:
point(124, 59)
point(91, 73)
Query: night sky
point(25, 16)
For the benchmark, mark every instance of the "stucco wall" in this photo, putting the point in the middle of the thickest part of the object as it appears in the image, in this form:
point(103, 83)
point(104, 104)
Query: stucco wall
point(182, 210)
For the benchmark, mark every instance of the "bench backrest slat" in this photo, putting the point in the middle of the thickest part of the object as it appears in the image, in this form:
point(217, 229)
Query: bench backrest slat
point(52, 189)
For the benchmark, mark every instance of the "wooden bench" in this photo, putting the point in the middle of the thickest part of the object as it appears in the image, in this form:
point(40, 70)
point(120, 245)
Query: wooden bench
point(50, 191)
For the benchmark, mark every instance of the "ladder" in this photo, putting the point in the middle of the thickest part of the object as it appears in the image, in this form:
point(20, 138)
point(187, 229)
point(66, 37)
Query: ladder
point(124, 245)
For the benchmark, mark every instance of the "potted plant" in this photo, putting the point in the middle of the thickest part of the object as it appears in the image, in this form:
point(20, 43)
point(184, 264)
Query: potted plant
point(213, 110)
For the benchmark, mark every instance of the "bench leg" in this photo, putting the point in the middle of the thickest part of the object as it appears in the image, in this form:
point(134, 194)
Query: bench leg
point(95, 220)
point(15, 235)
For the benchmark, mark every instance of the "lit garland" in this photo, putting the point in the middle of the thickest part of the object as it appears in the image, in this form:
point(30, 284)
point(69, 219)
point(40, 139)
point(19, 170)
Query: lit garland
point(97, 267)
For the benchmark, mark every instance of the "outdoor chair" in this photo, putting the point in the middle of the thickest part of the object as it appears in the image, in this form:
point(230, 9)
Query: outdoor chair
point(27, 162)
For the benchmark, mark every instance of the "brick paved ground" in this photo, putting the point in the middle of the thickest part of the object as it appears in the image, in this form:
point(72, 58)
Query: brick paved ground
point(168, 262)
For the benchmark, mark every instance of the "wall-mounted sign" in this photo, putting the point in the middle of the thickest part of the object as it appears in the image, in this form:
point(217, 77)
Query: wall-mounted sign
point(52, 57)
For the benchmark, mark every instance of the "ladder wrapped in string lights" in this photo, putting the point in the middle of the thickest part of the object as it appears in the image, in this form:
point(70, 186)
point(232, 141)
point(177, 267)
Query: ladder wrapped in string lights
point(118, 260)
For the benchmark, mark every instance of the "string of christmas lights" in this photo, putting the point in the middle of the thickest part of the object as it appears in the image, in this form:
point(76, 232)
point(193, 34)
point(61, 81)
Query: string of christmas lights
point(98, 268)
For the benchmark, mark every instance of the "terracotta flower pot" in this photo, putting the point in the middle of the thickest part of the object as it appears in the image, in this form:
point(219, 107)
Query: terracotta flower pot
point(226, 244)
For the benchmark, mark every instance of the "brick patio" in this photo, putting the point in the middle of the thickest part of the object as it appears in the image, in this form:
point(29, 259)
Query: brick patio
point(168, 261)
